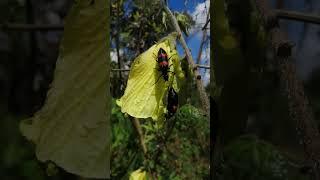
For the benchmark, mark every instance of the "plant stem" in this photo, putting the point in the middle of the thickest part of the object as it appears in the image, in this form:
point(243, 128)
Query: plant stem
point(118, 42)
point(203, 95)
point(297, 16)
point(163, 142)
point(137, 126)
point(203, 40)
point(205, 25)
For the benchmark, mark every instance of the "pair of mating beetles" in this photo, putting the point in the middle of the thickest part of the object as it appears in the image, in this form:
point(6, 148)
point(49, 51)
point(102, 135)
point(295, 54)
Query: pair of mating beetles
point(164, 67)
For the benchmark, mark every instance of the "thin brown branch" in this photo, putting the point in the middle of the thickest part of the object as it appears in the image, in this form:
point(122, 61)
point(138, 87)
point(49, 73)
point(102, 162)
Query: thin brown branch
point(163, 140)
point(137, 126)
point(118, 41)
point(298, 16)
point(203, 66)
point(206, 24)
point(203, 95)
point(203, 40)
point(299, 108)
point(120, 70)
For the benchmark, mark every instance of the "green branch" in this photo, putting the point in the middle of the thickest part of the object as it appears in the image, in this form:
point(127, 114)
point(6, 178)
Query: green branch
point(203, 95)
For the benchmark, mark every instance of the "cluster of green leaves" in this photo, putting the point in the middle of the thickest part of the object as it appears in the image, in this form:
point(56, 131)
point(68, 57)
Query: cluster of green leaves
point(138, 24)
point(141, 23)
point(125, 153)
point(17, 158)
point(184, 156)
point(248, 157)
point(188, 147)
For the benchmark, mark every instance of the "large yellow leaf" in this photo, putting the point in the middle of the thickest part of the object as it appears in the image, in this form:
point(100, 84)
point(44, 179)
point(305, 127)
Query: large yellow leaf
point(72, 128)
point(145, 92)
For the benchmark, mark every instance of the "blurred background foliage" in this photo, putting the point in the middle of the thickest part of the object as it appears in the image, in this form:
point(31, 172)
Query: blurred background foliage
point(270, 151)
point(260, 140)
point(136, 25)
point(26, 70)
point(185, 156)
point(249, 157)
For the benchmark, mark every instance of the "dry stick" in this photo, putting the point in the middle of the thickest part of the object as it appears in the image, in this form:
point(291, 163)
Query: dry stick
point(203, 95)
point(299, 109)
point(206, 24)
point(137, 126)
point(120, 69)
point(203, 66)
point(298, 16)
point(118, 42)
point(163, 142)
point(203, 40)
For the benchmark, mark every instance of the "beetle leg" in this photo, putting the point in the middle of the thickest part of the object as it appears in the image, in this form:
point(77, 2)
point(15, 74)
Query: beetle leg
point(157, 80)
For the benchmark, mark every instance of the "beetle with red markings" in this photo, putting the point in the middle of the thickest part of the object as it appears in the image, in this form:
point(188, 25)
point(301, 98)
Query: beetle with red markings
point(172, 103)
point(163, 64)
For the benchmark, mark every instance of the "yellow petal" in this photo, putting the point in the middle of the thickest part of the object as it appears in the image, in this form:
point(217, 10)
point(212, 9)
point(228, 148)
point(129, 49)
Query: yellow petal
point(138, 175)
point(146, 90)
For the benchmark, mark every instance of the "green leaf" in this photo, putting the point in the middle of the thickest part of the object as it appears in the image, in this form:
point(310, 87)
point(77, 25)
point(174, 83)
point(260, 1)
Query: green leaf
point(72, 127)
point(185, 22)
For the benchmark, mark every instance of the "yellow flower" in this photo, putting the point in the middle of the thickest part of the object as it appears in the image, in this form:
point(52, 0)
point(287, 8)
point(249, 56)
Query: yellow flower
point(138, 175)
point(146, 89)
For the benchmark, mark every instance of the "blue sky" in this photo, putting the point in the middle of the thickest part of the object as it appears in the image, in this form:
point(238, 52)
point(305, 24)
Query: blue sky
point(198, 9)
point(179, 5)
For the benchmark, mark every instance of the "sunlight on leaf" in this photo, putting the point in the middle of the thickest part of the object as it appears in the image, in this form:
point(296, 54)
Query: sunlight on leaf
point(72, 127)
